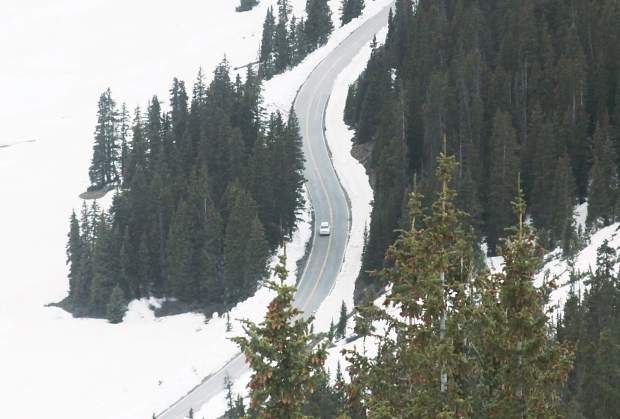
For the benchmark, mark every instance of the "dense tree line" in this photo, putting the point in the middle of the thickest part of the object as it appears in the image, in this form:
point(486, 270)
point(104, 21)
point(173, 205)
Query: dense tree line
point(591, 325)
point(515, 86)
point(453, 341)
point(209, 188)
point(287, 40)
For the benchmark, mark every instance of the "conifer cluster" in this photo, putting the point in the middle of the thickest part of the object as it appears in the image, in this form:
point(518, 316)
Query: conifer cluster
point(453, 340)
point(287, 40)
point(207, 190)
point(517, 86)
point(457, 342)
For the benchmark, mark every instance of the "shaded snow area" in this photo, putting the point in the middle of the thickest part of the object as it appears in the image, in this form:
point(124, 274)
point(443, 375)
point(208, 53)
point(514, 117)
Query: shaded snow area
point(355, 181)
point(58, 56)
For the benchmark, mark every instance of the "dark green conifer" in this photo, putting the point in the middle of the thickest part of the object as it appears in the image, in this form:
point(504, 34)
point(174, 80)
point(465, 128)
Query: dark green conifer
point(341, 328)
point(603, 188)
point(267, 48)
point(529, 365)
point(318, 24)
point(117, 306)
point(286, 370)
point(350, 9)
point(105, 161)
point(502, 177)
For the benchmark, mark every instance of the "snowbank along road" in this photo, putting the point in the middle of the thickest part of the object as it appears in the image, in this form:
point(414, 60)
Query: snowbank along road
point(326, 194)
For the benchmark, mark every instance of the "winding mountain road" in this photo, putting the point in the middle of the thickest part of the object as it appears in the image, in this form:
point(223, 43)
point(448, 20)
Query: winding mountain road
point(327, 197)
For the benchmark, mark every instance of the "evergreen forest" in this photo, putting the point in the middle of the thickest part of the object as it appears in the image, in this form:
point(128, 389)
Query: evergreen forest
point(515, 86)
point(206, 190)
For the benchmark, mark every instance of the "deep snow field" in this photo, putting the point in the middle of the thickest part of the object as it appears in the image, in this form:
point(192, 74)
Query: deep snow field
point(58, 56)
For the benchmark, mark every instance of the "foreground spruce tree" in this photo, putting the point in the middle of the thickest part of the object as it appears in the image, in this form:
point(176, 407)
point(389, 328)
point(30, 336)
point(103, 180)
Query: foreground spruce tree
point(285, 368)
point(422, 363)
point(464, 344)
point(524, 366)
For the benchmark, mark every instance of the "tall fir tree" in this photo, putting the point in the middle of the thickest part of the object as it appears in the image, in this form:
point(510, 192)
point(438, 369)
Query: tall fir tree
point(350, 9)
point(267, 47)
point(526, 366)
point(318, 25)
point(286, 370)
point(422, 363)
point(105, 161)
point(604, 185)
point(503, 171)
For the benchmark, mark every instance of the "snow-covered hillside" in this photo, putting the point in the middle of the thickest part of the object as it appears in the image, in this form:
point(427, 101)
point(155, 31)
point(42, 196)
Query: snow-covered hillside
point(58, 56)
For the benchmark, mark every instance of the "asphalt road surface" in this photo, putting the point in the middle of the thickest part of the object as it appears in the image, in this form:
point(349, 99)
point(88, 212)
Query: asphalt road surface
point(327, 197)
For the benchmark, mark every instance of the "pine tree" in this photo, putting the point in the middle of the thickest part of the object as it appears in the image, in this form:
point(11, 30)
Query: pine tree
point(603, 188)
point(244, 247)
point(318, 24)
point(528, 365)
point(137, 155)
point(153, 133)
point(74, 256)
point(350, 9)
point(422, 363)
point(266, 56)
point(598, 349)
point(281, 44)
point(341, 329)
point(285, 368)
point(502, 177)
point(117, 306)
point(246, 5)
point(124, 130)
point(106, 266)
point(104, 164)
point(235, 408)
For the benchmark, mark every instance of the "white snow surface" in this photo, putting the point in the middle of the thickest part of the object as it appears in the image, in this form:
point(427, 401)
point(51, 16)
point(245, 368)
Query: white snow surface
point(354, 179)
point(58, 56)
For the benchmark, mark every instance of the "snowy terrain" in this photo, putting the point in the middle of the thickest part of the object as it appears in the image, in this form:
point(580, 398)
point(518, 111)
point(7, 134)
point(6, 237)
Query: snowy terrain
point(58, 56)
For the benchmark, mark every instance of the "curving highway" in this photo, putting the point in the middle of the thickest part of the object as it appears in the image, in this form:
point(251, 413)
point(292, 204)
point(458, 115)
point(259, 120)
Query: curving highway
point(327, 197)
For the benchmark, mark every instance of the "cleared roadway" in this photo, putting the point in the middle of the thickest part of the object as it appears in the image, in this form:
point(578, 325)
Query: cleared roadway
point(326, 194)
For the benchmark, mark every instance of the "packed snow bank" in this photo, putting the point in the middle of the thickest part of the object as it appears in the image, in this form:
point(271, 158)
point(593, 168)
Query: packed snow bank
point(354, 179)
